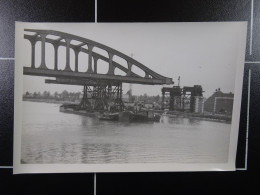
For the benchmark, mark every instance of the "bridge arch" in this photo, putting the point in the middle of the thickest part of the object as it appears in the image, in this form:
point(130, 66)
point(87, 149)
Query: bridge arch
point(76, 45)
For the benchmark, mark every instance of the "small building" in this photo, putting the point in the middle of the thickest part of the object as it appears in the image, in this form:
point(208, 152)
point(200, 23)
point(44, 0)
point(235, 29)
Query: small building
point(220, 103)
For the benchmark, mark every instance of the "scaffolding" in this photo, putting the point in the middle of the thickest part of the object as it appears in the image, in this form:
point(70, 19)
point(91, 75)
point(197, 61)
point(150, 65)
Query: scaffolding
point(182, 99)
point(102, 96)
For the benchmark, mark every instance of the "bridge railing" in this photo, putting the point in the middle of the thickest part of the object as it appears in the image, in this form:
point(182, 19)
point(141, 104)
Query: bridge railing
point(65, 39)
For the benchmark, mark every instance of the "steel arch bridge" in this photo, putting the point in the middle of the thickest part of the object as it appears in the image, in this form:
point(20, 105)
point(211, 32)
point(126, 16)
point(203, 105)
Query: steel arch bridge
point(102, 84)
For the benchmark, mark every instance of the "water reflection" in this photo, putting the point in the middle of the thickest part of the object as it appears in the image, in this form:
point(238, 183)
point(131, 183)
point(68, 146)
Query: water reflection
point(179, 120)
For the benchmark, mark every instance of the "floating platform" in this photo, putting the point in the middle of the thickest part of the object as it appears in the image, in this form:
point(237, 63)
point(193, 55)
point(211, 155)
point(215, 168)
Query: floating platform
point(109, 116)
point(125, 116)
point(141, 116)
point(72, 109)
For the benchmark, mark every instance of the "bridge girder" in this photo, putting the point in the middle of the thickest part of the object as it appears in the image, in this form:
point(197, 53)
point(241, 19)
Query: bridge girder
point(81, 76)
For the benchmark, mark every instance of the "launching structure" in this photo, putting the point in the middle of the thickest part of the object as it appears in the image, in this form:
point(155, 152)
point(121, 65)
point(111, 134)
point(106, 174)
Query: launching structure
point(183, 99)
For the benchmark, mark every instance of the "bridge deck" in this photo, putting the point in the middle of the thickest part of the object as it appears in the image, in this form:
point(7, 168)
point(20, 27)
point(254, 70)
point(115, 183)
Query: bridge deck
point(81, 76)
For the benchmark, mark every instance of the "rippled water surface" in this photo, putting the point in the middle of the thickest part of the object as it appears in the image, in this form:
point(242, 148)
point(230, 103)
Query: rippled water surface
point(50, 136)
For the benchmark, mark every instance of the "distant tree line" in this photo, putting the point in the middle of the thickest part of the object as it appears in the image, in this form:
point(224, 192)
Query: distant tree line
point(76, 96)
point(63, 96)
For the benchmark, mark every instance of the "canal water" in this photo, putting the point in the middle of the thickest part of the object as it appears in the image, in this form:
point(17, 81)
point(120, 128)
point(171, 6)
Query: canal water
point(49, 136)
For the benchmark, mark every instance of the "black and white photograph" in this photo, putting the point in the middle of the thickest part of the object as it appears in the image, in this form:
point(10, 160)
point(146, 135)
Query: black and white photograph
point(127, 97)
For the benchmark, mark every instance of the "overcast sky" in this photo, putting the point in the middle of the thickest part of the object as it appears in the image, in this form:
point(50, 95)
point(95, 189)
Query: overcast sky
point(200, 53)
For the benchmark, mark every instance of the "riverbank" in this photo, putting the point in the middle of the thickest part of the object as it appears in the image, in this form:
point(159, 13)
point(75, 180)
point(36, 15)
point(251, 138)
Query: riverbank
point(201, 116)
point(177, 114)
point(215, 118)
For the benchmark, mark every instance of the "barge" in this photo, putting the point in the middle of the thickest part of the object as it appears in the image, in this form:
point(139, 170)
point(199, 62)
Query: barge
point(124, 116)
point(73, 109)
